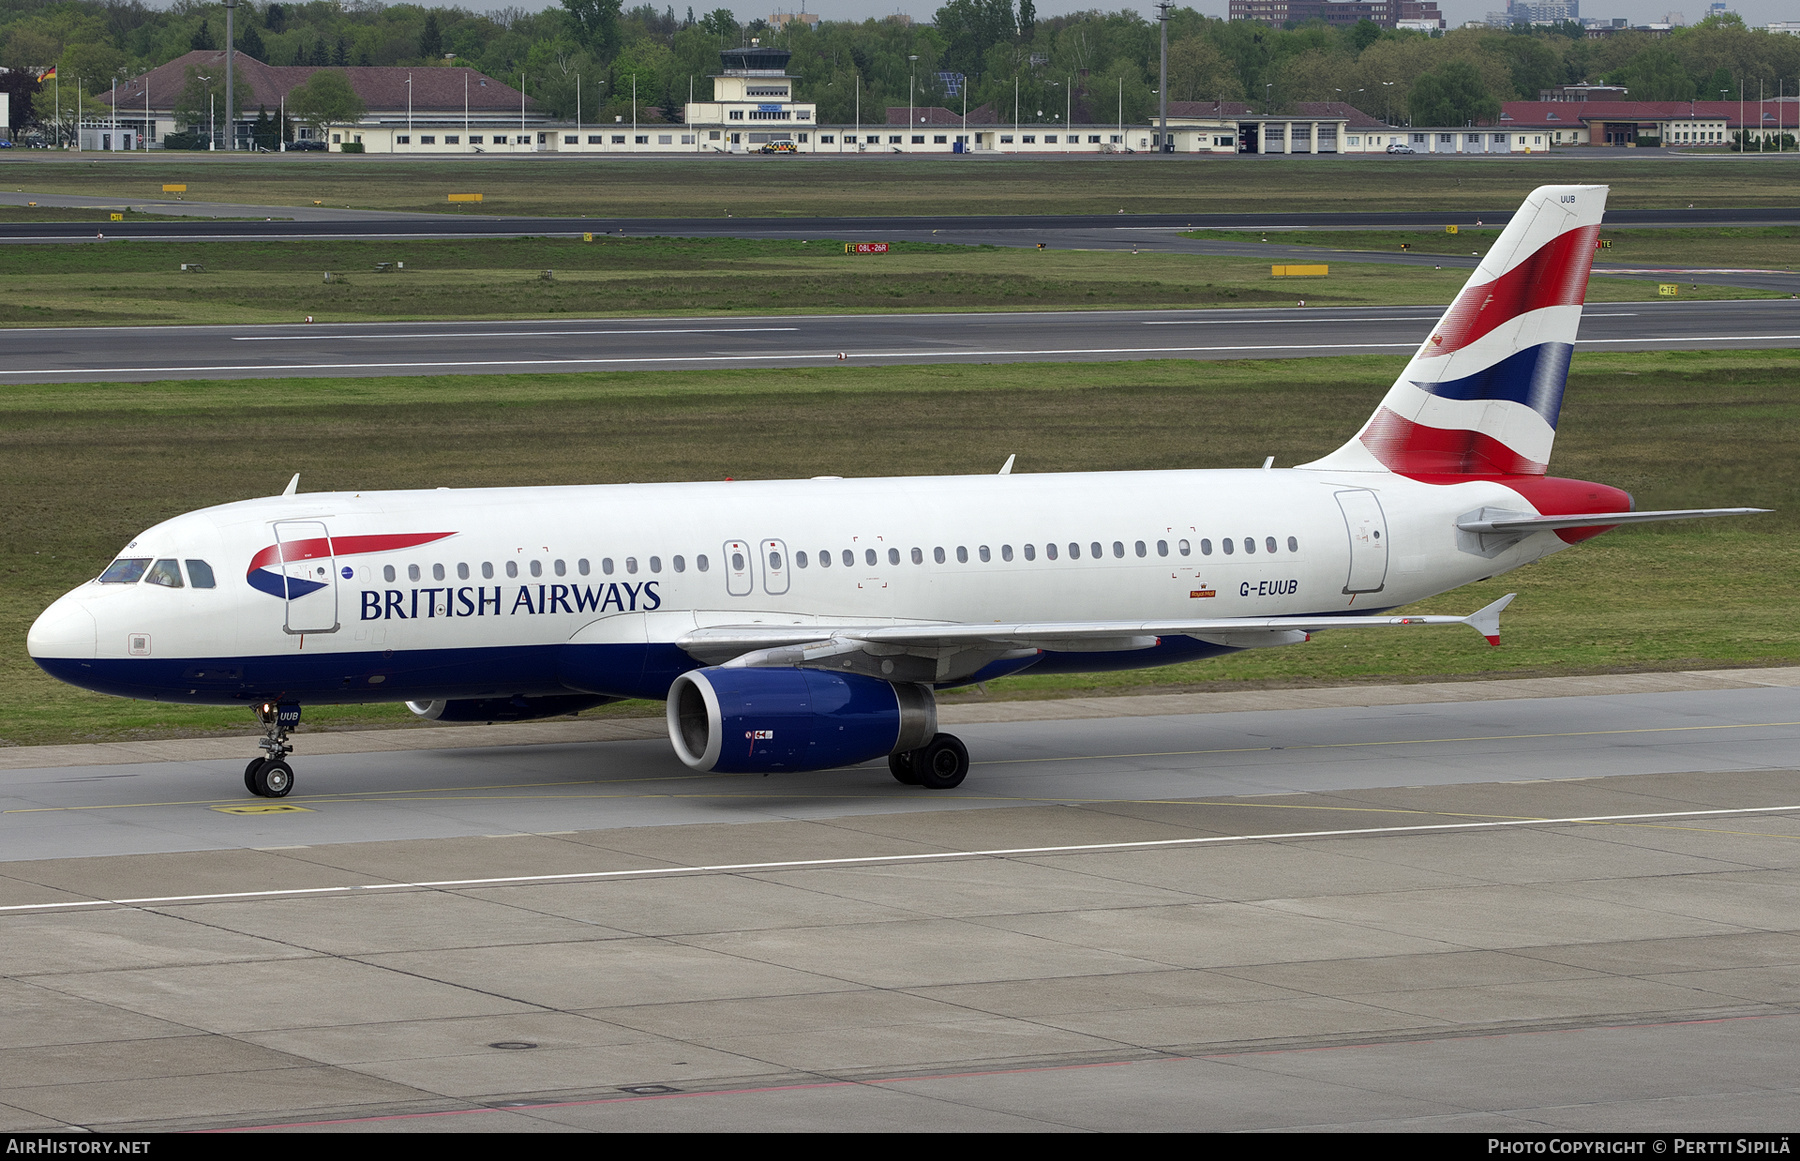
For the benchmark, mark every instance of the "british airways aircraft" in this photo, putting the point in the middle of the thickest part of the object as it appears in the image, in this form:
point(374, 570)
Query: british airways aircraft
point(804, 624)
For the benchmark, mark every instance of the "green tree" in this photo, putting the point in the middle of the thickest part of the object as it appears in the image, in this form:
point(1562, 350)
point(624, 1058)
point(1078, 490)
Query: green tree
point(1452, 95)
point(251, 43)
point(325, 100)
point(202, 98)
point(1655, 75)
point(598, 22)
point(431, 38)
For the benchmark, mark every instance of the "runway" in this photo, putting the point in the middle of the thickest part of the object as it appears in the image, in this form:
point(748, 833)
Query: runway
point(72, 354)
point(1385, 908)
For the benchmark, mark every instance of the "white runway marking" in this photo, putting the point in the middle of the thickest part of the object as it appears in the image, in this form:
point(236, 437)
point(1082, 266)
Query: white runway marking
point(932, 856)
point(666, 359)
point(313, 337)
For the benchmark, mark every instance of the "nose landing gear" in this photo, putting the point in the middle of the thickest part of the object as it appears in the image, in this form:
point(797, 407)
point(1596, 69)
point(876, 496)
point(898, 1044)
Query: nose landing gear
point(270, 776)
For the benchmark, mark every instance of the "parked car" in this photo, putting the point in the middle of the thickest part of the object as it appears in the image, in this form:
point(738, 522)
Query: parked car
point(1399, 147)
point(780, 147)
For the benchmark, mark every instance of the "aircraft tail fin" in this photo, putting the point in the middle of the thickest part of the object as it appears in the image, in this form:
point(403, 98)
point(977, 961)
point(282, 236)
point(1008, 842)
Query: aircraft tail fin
point(1482, 394)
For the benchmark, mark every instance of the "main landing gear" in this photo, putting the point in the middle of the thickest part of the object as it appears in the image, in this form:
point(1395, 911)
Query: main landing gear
point(270, 776)
point(940, 764)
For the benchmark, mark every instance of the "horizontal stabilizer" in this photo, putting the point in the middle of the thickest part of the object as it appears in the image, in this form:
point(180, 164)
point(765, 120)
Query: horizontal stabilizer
point(1523, 522)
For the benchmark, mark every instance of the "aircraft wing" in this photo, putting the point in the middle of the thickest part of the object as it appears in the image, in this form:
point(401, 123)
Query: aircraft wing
point(852, 646)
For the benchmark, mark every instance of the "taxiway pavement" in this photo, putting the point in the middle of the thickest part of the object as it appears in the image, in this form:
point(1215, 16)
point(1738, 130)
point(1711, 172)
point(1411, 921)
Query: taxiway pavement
point(76, 354)
point(1362, 910)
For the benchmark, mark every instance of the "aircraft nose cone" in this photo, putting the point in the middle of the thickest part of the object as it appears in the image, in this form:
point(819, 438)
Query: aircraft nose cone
point(65, 629)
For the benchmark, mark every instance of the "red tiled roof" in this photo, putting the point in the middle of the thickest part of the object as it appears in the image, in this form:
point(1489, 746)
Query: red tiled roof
point(1332, 110)
point(936, 115)
point(434, 90)
point(1537, 114)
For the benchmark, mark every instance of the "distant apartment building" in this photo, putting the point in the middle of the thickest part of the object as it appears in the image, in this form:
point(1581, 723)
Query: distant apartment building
point(781, 20)
point(1421, 14)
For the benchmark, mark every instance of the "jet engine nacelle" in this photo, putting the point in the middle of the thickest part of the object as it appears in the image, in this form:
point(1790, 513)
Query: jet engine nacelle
point(754, 720)
point(506, 709)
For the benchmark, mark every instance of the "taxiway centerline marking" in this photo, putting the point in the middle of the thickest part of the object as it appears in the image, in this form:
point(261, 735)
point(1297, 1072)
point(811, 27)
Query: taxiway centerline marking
point(927, 856)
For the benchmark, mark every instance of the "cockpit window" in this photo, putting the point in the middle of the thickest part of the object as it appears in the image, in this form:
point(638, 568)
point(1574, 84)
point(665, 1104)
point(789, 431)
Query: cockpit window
point(200, 574)
point(165, 573)
point(125, 571)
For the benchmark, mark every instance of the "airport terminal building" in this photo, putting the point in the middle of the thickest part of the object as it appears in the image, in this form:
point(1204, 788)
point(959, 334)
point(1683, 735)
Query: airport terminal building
point(754, 106)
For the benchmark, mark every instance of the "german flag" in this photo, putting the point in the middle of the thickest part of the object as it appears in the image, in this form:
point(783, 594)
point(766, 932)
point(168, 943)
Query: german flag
point(49, 76)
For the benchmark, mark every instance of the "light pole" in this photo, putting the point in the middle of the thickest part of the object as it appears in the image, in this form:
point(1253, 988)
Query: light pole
point(230, 136)
point(1387, 101)
point(409, 112)
point(212, 125)
point(911, 73)
point(1163, 8)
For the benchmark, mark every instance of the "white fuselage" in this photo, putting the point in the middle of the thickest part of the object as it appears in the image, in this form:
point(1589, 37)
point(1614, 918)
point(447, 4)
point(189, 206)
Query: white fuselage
point(523, 572)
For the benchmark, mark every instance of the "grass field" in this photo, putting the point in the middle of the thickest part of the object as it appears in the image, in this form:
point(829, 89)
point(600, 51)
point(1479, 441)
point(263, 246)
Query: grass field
point(86, 467)
point(859, 186)
point(1769, 247)
point(282, 282)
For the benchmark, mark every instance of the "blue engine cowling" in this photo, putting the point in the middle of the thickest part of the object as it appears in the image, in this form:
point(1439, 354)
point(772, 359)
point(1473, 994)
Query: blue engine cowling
point(751, 720)
point(506, 709)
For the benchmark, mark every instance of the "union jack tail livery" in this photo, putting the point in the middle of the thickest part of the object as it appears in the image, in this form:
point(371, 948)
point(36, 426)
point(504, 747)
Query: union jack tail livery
point(1481, 395)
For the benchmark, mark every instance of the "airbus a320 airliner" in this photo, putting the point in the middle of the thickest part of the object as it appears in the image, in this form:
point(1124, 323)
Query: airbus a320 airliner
point(804, 624)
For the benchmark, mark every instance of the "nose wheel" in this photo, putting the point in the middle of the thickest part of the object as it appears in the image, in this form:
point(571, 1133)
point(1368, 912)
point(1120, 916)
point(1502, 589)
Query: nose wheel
point(270, 776)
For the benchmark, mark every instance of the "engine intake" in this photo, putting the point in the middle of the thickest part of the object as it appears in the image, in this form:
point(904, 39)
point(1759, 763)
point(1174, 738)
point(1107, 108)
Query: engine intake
point(753, 720)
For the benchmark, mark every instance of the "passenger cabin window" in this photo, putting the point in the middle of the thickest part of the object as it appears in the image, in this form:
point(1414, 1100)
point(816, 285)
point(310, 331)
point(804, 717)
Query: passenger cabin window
point(387, 573)
point(581, 566)
point(825, 558)
point(512, 568)
point(200, 574)
point(1205, 548)
point(1005, 552)
point(561, 568)
point(487, 570)
point(800, 559)
point(700, 562)
point(1031, 552)
point(631, 565)
point(437, 572)
point(165, 573)
point(918, 555)
point(1293, 544)
point(1142, 551)
point(985, 555)
point(680, 564)
point(869, 556)
point(656, 564)
point(462, 572)
point(412, 572)
point(893, 556)
point(606, 565)
point(1183, 547)
point(962, 554)
point(1226, 545)
point(1250, 544)
point(1269, 543)
point(537, 568)
point(1162, 548)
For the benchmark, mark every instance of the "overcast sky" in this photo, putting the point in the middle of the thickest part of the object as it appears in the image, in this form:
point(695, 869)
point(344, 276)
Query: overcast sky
point(1754, 12)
